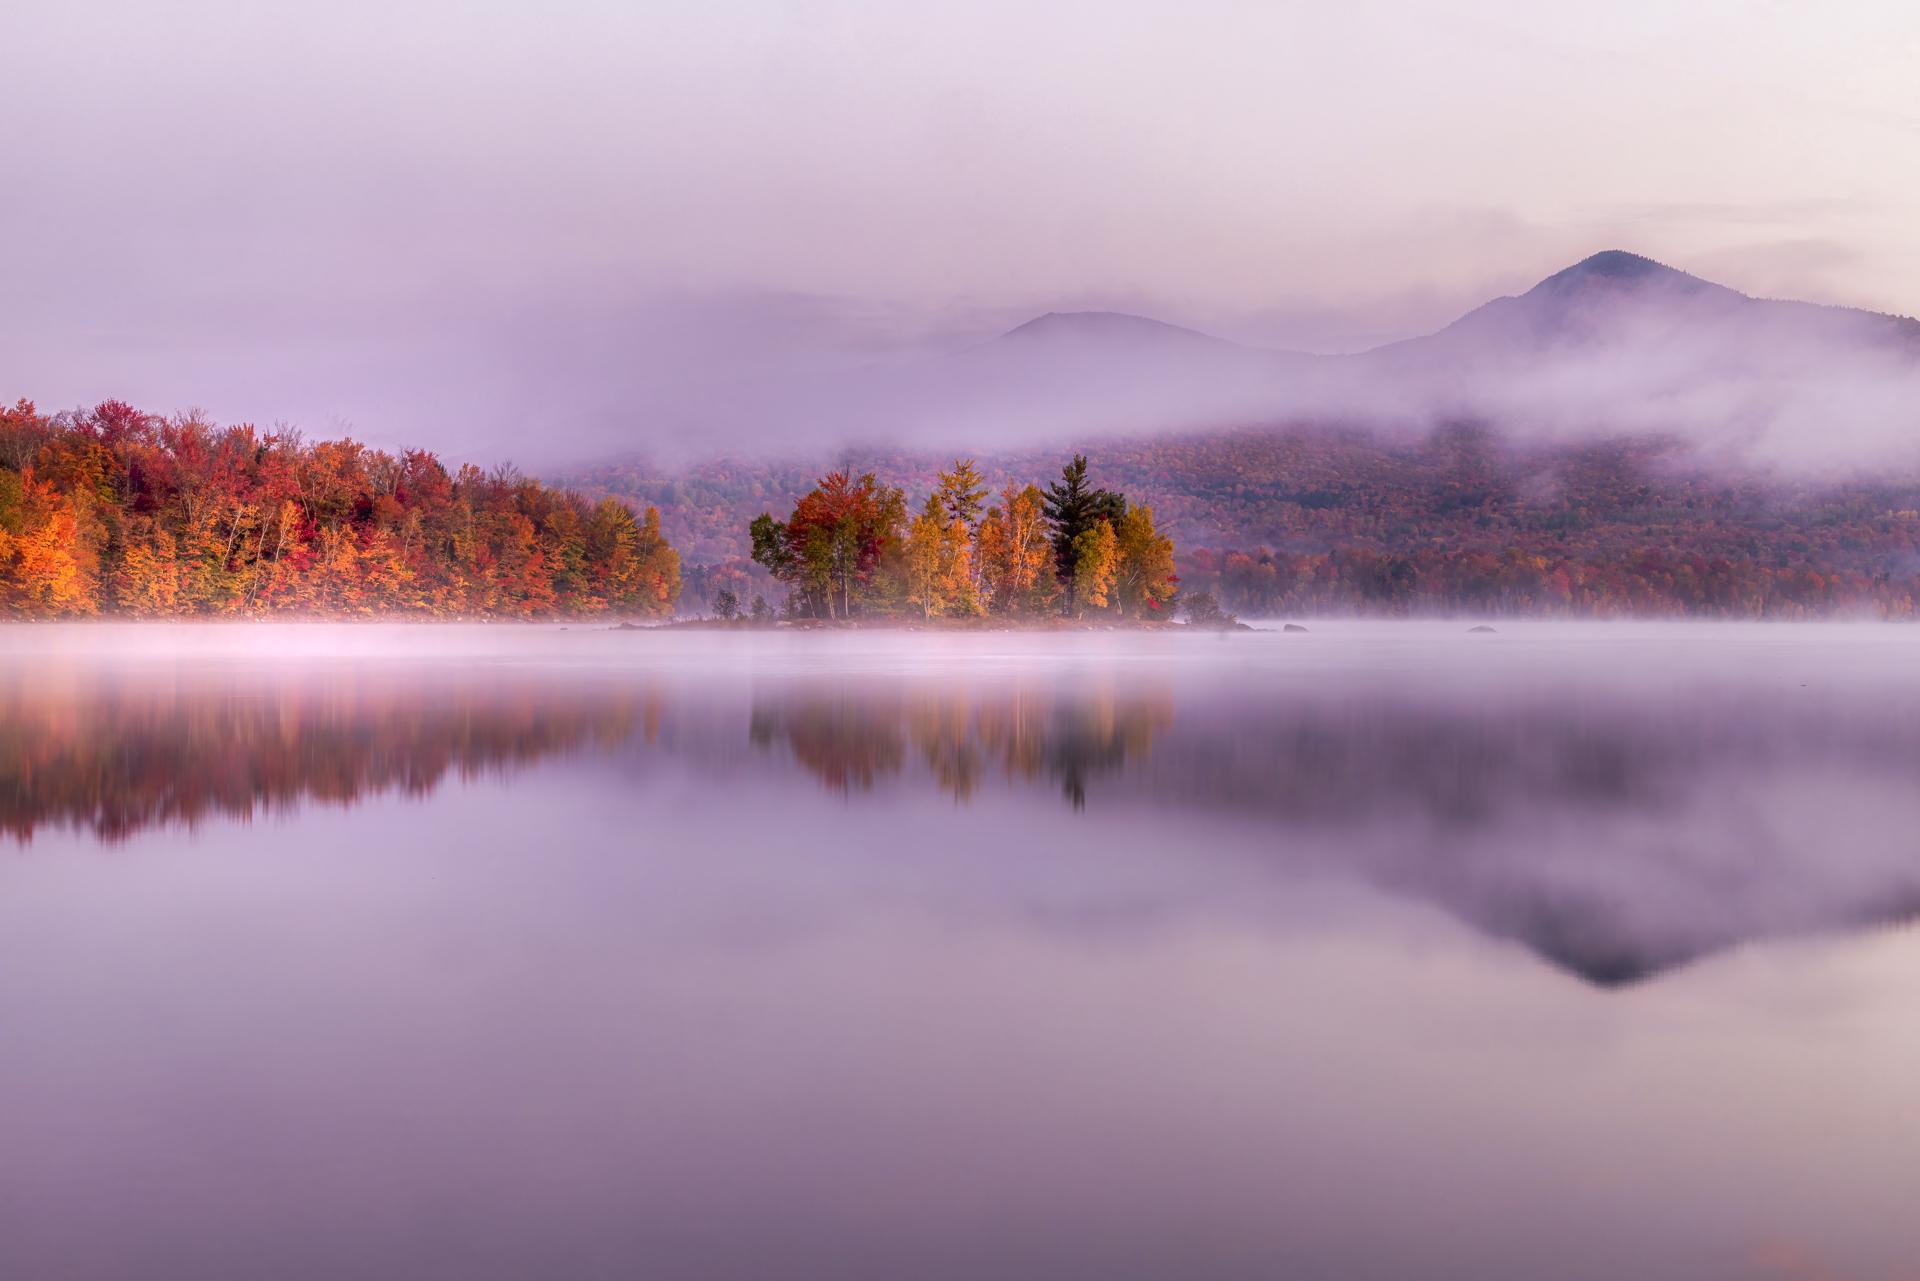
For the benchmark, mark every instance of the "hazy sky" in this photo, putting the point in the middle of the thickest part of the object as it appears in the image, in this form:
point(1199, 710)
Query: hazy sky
point(398, 217)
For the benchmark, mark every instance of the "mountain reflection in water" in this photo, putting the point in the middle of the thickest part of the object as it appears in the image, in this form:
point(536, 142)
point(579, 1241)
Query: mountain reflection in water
point(494, 953)
point(1615, 828)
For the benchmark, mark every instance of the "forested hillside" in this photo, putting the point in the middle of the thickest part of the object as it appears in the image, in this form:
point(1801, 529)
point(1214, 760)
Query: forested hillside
point(113, 511)
point(1324, 519)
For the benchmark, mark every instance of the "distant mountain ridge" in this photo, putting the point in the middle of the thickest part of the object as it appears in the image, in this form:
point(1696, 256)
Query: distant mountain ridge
point(1097, 325)
point(1609, 278)
point(1616, 341)
point(1615, 296)
point(1615, 347)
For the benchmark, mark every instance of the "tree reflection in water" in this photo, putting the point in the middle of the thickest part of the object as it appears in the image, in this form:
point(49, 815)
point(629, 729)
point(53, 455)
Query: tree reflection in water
point(850, 739)
point(114, 752)
point(1616, 830)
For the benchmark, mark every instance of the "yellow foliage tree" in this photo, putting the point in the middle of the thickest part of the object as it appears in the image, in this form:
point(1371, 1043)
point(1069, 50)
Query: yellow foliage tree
point(1016, 553)
point(956, 569)
point(1096, 555)
point(148, 581)
point(926, 586)
point(1144, 577)
point(938, 564)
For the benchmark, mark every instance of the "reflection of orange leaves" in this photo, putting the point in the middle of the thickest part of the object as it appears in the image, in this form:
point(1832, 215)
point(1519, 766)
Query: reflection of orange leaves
point(114, 756)
point(841, 742)
point(848, 743)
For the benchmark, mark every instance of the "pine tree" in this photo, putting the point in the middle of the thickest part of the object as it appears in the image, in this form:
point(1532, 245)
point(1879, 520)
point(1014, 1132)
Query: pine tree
point(1073, 506)
point(961, 493)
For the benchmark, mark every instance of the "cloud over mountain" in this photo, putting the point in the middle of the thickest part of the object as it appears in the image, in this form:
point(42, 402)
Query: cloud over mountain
point(1615, 343)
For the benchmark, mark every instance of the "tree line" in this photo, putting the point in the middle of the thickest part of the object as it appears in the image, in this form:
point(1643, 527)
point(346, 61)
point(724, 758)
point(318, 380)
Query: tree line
point(850, 549)
point(1317, 519)
point(1649, 581)
point(112, 511)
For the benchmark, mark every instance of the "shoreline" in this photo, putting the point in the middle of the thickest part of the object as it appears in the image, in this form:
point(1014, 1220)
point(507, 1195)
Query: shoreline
point(959, 626)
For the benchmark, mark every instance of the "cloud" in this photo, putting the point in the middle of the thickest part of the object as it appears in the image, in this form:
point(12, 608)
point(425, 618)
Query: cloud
point(438, 222)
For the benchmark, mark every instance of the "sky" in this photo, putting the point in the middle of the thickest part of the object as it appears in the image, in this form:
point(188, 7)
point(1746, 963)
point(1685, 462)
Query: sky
point(484, 226)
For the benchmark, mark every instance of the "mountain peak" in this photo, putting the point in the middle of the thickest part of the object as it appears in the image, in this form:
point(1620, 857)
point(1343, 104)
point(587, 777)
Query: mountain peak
point(1104, 324)
point(1621, 264)
point(1617, 268)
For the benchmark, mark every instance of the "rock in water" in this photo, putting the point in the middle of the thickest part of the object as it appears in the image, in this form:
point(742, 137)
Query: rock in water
point(1293, 627)
point(1482, 628)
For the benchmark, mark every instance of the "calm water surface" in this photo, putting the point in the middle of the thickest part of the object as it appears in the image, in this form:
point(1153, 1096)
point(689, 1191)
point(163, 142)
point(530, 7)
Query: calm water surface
point(1382, 951)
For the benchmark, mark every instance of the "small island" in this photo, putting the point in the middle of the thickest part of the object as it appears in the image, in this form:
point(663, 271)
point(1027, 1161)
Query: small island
point(1069, 555)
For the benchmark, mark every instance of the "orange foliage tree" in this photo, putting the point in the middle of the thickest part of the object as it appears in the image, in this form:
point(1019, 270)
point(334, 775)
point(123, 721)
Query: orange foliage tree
point(112, 511)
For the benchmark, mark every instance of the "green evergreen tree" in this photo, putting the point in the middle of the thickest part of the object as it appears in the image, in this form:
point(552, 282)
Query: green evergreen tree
point(961, 492)
point(1073, 506)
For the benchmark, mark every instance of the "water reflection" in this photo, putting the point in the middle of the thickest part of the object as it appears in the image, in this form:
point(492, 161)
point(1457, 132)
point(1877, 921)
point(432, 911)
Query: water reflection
point(850, 738)
point(113, 752)
point(1615, 828)
point(604, 954)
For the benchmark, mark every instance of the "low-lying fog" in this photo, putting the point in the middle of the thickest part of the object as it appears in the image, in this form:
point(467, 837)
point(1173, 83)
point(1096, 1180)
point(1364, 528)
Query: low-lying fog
point(1615, 344)
point(1619, 797)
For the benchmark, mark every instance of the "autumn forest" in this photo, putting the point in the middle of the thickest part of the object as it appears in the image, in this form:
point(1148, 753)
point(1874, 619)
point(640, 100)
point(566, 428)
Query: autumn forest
point(849, 550)
point(112, 512)
point(1328, 519)
point(116, 512)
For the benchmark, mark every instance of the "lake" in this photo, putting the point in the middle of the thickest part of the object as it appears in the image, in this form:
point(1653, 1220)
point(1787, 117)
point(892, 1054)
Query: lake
point(1382, 951)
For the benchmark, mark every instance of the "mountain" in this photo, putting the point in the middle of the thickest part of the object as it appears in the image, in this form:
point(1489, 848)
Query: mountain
point(1240, 446)
point(1609, 305)
point(1621, 344)
point(1614, 342)
point(1595, 300)
point(1071, 373)
point(1057, 375)
point(1073, 353)
point(1095, 328)
point(1617, 300)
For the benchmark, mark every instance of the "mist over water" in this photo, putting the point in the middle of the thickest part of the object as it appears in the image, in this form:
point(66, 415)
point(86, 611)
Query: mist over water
point(1377, 951)
point(772, 948)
